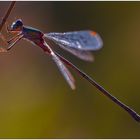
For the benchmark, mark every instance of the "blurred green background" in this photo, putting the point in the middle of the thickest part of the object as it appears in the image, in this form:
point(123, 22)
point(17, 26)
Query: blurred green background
point(35, 100)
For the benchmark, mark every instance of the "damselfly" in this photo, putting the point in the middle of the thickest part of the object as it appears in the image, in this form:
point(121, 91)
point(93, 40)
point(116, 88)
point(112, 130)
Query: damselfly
point(79, 43)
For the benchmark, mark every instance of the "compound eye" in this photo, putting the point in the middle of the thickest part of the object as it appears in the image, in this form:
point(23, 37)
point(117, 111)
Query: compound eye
point(13, 26)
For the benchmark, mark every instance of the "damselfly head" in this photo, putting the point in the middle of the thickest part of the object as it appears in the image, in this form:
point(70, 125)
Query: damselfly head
point(17, 25)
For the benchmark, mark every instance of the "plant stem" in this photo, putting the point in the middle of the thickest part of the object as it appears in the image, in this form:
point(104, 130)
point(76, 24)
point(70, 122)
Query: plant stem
point(7, 14)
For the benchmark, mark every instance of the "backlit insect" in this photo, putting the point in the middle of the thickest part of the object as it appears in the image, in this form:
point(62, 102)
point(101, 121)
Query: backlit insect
point(79, 43)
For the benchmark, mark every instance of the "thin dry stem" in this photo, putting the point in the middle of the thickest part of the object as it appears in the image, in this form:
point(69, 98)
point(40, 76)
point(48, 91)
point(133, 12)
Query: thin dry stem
point(7, 14)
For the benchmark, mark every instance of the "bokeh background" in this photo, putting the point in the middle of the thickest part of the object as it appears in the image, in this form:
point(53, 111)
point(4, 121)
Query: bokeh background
point(35, 100)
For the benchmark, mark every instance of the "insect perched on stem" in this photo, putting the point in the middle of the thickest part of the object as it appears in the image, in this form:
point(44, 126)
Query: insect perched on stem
point(79, 43)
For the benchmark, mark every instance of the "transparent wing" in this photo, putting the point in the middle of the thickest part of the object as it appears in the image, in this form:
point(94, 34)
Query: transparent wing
point(84, 55)
point(79, 40)
point(65, 72)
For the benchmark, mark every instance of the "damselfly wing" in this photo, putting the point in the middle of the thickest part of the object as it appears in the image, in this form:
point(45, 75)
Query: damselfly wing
point(63, 69)
point(79, 43)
